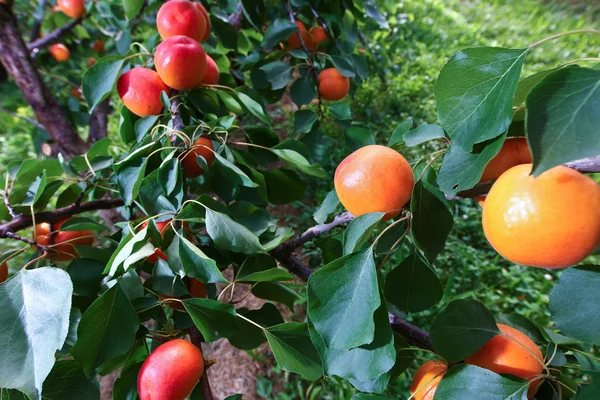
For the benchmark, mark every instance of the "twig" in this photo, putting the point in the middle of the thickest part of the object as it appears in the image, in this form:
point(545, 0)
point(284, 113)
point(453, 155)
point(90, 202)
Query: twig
point(196, 339)
point(318, 230)
point(99, 122)
point(37, 23)
point(53, 36)
point(31, 242)
point(321, 21)
point(28, 120)
point(11, 210)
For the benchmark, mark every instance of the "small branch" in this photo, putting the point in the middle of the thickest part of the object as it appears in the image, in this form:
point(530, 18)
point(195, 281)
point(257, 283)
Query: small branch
point(28, 120)
point(11, 210)
point(318, 230)
point(53, 36)
point(44, 249)
point(175, 115)
point(37, 23)
point(414, 336)
point(99, 122)
point(196, 339)
point(586, 165)
point(320, 20)
point(236, 20)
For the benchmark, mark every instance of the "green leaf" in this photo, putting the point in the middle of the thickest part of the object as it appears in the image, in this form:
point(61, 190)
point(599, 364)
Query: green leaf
point(283, 186)
point(304, 121)
point(236, 173)
point(81, 224)
point(126, 124)
point(293, 350)
point(124, 250)
point(67, 381)
point(254, 11)
point(360, 230)
point(461, 329)
point(340, 110)
point(298, 161)
point(464, 382)
point(100, 79)
point(107, 330)
point(590, 391)
point(373, 12)
point(562, 113)
point(213, 319)
point(143, 126)
point(276, 291)
point(168, 175)
point(399, 132)
point(303, 91)
point(35, 190)
point(132, 7)
point(342, 297)
point(343, 65)
point(278, 31)
point(474, 93)
point(327, 207)
point(223, 30)
point(197, 264)
point(261, 268)
point(431, 219)
point(34, 324)
point(249, 336)
point(422, 134)
point(278, 73)
point(574, 303)
point(129, 178)
point(358, 137)
point(365, 396)
point(528, 83)
point(413, 286)
point(230, 235)
point(255, 108)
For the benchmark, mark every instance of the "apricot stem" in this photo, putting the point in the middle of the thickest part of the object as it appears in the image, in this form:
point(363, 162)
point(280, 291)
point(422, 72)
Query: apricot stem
point(390, 226)
point(558, 35)
point(580, 60)
point(251, 145)
point(396, 243)
point(250, 321)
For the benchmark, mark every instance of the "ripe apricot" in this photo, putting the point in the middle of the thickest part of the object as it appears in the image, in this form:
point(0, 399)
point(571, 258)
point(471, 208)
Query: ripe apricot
point(511, 352)
point(171, 372)
point(552, 221)
point(3, 272)
point(202, 147)
point(206, 19)
point(91, 61)
point(333, 85)
point(62, 242)
point(426, 380)
point(98, 46)
point(211, 77)
point(318, 34)
point(72, 8)
point(76, 92)
point(59, 52)
point(158, 253)
point(374, 179)
point(294, 40)
point(180, 17)
point(197, 288)
point(180, 62)
point(514, 151)
point(139, 89)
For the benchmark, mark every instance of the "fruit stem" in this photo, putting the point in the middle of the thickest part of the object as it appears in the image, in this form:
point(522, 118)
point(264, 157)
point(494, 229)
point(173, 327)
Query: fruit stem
point(558, 35)
point(250, 321)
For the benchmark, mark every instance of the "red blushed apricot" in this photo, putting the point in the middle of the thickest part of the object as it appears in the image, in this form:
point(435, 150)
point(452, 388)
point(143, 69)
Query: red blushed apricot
point(318, 34)
point(294, 40)
point(202, 147)
point(206, 19)
point(98, 46)
point(59, 52)
point(211, 77)
point(76, 92)
point(426, 380)
point(197, 288)
point(3, 272)
point(72, 8)
point(139, 89)
point(91, 61)
point(180, 62)
point(158, 253)
point(63, 242)
point(180, 17)
point(171, 372)
point(333, 86)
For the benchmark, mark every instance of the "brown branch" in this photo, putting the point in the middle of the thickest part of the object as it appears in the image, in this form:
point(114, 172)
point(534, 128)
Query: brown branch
point(321, 21)
point(28, 120)
point(37, 23)
point(52, 37)
point(99, 122)
point(317, 230)
point(196, 339)
point(236, 20)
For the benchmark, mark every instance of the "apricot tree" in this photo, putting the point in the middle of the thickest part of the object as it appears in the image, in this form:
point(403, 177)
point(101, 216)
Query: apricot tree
point(184, 188)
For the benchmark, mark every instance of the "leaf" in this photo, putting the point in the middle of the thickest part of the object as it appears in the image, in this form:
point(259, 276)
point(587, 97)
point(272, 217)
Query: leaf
point(304, 121)
point(283, 186)
point(35, 190)
point(235, 172)
point(562, 118)
point(107, 329)
point(359, 231)
point(80, 224)
point(303, 91)
point(474, 93)
point(67, 381)
point(293, 350)
point(528, 83)
point(343, 65)
point(254, 12)
point(100, 79)
point(255, 108)
point(373, 12)
point(168, 175)
point(213, 319)
point(341, 111)
point(574, 302)
point(230, 235)
point(431, 219)
point(422, 134)
point(279, 30)
point(197, 265)
point(298, 161)
point(124, 250)
point(342, 297)
point(461, 329)
point(276, 291)
point(143, 126)
point(261, 268)
point(365, 396)
point(34, 324)
point(413, 286)
point(327, 207)
point(399, 132)
point(464, 382)
point(590, 391)
point(278, 73)
point(132, 7)
point(358, 137)
point(249, 336)
point(129, 178)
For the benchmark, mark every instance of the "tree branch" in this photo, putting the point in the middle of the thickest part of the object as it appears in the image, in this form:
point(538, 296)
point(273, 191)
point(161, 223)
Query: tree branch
point(196, 339)
point(99, 122)
point(38, 19)
point(52, 37)
point(28, 120)
point(236, 20)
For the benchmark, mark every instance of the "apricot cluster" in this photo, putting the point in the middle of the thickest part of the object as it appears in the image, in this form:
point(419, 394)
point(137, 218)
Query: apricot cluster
point(61, 243)
point(312, 38)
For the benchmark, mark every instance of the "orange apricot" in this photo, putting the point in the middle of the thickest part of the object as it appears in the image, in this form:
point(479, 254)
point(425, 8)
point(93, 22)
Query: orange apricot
point(318, 34)
point(158, 253)
point(552, 221)
point(206, 19)
point(59, 52)
point(76, 92)
point(3, 272)
point(98, 46)
point(202, 147)
point(426, 380)
point(211, 77)
point(181, 62)
point(62, 242)
point(139, 89)
point(374, 179)
point(72, 8)
point(333, 85)
point(294, 41)
point(181, 17)
point(514, 151)
point(171, 372)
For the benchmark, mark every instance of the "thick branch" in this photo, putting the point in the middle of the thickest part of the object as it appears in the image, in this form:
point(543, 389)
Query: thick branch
point(52, 37)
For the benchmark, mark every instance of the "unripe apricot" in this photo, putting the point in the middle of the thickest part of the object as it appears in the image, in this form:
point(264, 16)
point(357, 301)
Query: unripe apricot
point(318, 34)
point(59, 52)
point(511, 352)
point(552, 221)
point(294, 40)
point(171, 372)
point(202, 147)
point(181, 17)
point(333, 85)
point(63, 242)
point(206, 19)
point(180, 62)
point(98, 46)
point(426, 380)
point(139, 89)
point(211, 77)
point(3, 272)
point(374, 179)
point(72, 8)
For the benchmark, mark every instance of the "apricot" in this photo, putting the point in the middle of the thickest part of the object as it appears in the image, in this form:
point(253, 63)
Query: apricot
point(374, 179)
point(318, 34)
point(294, 41)
point(171, 372)
point(514, 151)
point(333, 86)
point(426, 380)
point(76, 92)
point(552, 221)
point(91, 61)
point(202, 147)
point(72, 8)
point(181, 17)
point(206, 19)
point(180, 62)
point(196, 289)
point(98, 46)
point(211, 77)
point(59, 52)
point(3, 272)
point(511, 352)
point(158, 253)
point(139, 89)
point(62, 242)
